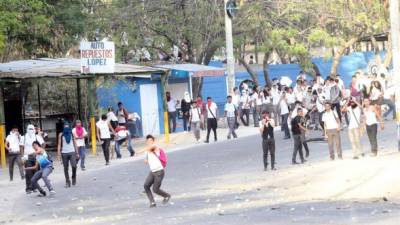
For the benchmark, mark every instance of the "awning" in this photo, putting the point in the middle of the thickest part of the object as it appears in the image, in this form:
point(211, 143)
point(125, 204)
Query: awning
point(193, 70)
point(64, 67)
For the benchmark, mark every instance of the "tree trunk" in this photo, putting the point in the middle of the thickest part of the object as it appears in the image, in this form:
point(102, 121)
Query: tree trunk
point(256, 50)
point(389, 53)
point(252, 73)
point(265, 69)
point(338, 55)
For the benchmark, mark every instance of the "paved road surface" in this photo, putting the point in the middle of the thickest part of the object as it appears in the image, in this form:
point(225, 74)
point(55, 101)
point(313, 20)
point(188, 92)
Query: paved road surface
point(224, 183)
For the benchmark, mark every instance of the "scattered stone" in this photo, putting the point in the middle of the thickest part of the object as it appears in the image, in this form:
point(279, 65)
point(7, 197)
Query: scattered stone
point(312, 208)
point(80, 209)
point(38, 203)
point(385, 199)
point(292, 209)
point(238, 198)
point(55, 216)
point(207, 200)
point(221, 212)
point(94, 178)
point(386, 211)
point(275, 208)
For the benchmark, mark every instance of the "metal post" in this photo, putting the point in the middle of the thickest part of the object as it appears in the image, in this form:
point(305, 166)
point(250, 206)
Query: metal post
point(2, 131)
point(78, 93)
point(395, 32)
point(164, 79)
point(190, 86)
point(40, 106)
point(90, 93)
point(230, 60)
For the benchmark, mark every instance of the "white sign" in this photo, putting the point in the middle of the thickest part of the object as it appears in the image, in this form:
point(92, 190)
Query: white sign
point(97, 57)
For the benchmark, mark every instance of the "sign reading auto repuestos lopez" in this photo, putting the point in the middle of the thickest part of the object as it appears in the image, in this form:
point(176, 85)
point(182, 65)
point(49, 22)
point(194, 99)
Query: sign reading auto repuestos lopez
point(97, 57)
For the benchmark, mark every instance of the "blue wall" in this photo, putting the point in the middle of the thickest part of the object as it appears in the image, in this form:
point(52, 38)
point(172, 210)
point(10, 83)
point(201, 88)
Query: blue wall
point(120, 92)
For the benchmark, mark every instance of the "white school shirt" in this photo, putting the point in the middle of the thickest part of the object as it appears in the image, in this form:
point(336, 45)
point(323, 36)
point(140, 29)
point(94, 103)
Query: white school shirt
point(354, 117)
point(121, 116)
point(245, 100)
point(230, 110)
point(291, 99)
point(329, 118)
point(254, 98)
point(284, 107)
point(154, 162)
point(171, 105)
point(370, 117)
point(13, 141)
point(111, 117)
point(320, 103)
point(235, 100)
point(104, 129)
point(213, 108)
point(195, 113)
point(80, 142)
point(276, 96)
point(28, 141)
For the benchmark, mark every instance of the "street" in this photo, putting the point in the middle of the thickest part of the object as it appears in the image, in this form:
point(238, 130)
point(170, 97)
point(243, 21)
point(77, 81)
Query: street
point(224, 183)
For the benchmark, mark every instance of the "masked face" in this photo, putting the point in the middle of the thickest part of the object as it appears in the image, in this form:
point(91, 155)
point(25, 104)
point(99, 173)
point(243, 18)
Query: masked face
point(30, 130)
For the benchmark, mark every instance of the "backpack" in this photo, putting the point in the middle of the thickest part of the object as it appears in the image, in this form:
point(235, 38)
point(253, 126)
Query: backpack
point(162, 158)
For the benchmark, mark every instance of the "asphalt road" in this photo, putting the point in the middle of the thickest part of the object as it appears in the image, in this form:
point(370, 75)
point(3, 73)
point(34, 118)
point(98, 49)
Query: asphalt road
point(221, 183)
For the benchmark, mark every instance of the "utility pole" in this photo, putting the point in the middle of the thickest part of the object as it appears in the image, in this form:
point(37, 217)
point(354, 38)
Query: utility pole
point(395, 32)
point(230, 60)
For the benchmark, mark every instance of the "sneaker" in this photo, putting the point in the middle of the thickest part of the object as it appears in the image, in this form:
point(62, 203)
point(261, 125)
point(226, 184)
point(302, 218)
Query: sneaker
point(206, 142)
point(52, 192)
point(67, 184)
point(153, 205)
point(107, 163)
point(28, 192)
point(166, 200)
point(83, 168)
point(355, 157)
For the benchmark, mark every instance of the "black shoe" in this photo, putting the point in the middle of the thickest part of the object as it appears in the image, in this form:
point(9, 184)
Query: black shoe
point(23, 177)
point(166, 199)
point(153, 205)
point(286, 138)
point(273, 168)
point(294, 163)
point(303, 161)
point(107, 163)
point(307, 154)
point(42, 194)
point(265, 168)
point(67, 184)
point(73, 181)
point(229, 137)
point(355, 157)
point(28, 191)
point(206, 142)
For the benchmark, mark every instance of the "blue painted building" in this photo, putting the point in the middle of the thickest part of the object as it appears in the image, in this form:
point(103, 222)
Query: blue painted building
point(142, 95)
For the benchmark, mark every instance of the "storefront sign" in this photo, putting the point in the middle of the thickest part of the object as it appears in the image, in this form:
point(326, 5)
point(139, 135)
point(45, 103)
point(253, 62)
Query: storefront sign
point(97, 57)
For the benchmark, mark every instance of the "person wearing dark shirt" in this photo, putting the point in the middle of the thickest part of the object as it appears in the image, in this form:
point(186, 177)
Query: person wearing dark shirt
point(267, 125)
point(185, 107)
point(297, 136)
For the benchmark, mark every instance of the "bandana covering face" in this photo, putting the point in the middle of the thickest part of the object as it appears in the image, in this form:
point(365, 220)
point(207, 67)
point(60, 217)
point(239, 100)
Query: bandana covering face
point(30, 131)
point(67, 133)
point(79, 131)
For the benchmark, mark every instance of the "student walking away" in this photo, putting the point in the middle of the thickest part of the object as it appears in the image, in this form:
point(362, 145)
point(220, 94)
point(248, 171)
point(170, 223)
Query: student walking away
point(230, 114)
point(245, 107)
point(267, 125)
point(14, 153)
point(296, 133)
point(171, 112)
point(284, 109)
point(185, 107)
point(372, 118)
point(335, 97)
point(157, 161)
point(68, 154)
point(212, 121)
point(276, 96)
point(355, 125)
point(376, 96)
point(256, 106)
point(123, 135)
point(332, 131)
point(122, 114)
point(320, 107)
point(113, 120)
point(80, 133)
point(303, 133)
point(45, 166)
point(28, 153)
point(103, 131)
point(195, 120)
point(202, 107)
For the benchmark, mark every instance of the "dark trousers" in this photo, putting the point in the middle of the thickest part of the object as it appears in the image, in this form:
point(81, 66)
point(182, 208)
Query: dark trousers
point(12, 159)
point(29, 173)
point(304, 143)
point(268, 145)
point(211, 125)
point(245, 112)
point(67, 159)
point(256, 114)
point(155, 179)
point(186, 124)
point(106, 149)
point(172, 118)
point(44, 175)
point(285, 125)
point(372, 132)
point(297, 147)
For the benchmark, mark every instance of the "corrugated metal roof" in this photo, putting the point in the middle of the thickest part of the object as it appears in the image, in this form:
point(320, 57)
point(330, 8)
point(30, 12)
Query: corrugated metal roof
point(196, 70)
point(62, 67)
